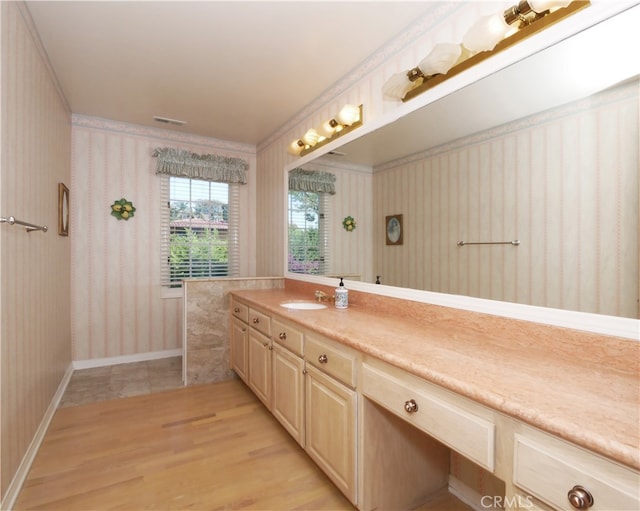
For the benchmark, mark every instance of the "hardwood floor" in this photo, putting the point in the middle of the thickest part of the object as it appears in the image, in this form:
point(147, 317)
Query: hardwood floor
point(211, 447)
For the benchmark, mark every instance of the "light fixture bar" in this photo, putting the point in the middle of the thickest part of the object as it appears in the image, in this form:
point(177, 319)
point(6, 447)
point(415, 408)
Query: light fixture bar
point(166, 120)
point(346, 120)
point(337, 134)
point(526, 31)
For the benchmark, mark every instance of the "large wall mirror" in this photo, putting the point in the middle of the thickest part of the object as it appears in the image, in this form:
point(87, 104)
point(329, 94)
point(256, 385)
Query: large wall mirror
point(544, 152)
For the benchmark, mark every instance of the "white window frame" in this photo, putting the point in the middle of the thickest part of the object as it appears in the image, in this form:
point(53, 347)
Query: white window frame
point(324, 202)
point(173, 289)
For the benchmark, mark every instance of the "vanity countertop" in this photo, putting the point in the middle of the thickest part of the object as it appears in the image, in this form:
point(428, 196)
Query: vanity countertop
point(579, 386)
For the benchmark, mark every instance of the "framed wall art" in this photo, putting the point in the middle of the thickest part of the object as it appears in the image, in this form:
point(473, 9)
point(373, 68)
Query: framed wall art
point(393, 229)
point(63, 210)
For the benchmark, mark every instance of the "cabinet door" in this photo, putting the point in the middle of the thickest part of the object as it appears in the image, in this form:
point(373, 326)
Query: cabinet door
point(331, 429)
point(239, 354)
point(260, 366)
point(288, 392)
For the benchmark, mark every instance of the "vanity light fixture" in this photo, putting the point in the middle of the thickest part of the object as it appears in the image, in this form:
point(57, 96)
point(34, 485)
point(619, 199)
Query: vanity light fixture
point(486, 37)
point(347, 119)
point(167, 120)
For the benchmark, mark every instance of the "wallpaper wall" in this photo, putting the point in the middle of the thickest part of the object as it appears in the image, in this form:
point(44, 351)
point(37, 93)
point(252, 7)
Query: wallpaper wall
point(35, 319)
point(351, 252)
point(118, 305)
point(362, 86)
point(562, 289)
point(563, 182)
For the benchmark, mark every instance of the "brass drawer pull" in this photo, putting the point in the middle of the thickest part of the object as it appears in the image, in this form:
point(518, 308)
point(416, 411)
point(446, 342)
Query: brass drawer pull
point(410, 406)
point(283, 335)
point(236, 310)
point(256, 321)
point(323, 359)
point(580, 498)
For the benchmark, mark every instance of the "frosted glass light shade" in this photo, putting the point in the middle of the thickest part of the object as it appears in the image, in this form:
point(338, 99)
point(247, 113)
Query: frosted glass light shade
point(442, 57)
point(546, 5)
point(398, 85)
point(348, 115)
point(296, 147)
point(485, 33)
point(311, 137)
point(328, 128)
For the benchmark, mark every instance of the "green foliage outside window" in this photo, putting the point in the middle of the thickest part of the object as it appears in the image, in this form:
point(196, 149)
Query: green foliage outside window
point(305, 254)
point(197, 254)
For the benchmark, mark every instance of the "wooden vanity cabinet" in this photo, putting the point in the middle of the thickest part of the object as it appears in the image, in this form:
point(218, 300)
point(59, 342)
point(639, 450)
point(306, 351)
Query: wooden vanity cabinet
point(331, 411)
point(240, 348)
point(259, 356)
point(409, 426)
point(458, 423)
point(239, 339)
point(566, 477)
point(288, 378)
point(308, 383)
point(390, 446)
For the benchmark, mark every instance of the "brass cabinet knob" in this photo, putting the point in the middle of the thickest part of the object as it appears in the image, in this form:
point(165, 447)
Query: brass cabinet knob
point(265, 344)
point(256, 321)
point(304, 371)
point(410, 406)
point(580, 498)
point(323, 359)
point(236, 310)
point(283, 335)
point(271, 347)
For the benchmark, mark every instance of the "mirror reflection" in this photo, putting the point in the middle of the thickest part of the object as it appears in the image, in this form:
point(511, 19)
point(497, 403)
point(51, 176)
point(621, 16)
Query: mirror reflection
point(537, 153)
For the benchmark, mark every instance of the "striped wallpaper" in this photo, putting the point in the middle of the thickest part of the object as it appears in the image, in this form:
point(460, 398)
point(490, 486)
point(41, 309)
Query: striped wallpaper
point(564, 183)
point(118, 303)
point(494, 155)
point(34, 267)
point(350, 252)
point(362, 86)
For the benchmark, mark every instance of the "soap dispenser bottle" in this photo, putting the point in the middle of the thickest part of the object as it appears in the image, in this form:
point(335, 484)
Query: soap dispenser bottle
point(342, 296)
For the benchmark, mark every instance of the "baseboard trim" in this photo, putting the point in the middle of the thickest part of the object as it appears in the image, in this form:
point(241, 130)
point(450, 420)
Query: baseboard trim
point(471, 497)
point(19, 478)
point(125, 359)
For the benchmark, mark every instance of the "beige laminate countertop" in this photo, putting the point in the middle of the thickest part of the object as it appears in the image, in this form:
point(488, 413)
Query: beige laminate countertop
point(586, 392)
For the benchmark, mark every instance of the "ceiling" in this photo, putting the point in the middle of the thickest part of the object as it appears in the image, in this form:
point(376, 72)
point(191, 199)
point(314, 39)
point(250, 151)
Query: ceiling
point(233, 70)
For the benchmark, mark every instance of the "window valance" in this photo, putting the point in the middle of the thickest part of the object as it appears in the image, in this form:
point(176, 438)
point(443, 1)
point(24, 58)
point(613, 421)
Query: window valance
point(302, 180)
point(208, 167)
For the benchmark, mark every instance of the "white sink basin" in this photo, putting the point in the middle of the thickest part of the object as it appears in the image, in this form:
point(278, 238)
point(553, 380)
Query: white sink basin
point(305, 306)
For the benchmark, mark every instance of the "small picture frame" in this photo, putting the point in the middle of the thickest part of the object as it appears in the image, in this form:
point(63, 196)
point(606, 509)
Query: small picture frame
point(393, 229)
point(63, 210)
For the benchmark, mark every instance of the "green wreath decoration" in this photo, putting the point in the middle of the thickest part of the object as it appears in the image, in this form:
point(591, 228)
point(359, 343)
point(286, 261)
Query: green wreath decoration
point(123, 209)
point(349, 224)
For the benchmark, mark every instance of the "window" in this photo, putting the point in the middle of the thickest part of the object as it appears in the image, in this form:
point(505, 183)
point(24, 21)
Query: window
point(199, 231)
point(308, 232)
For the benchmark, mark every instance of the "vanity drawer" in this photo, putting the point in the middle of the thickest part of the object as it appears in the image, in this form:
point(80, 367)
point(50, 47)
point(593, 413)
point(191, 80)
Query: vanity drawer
point(331, 358)
point(261, 322)
point(415, 401)
point(240, 311)
point(549, 469)
point(287, 336)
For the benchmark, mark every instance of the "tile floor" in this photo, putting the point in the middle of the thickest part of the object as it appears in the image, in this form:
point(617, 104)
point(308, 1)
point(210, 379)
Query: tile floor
point(123, 380)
